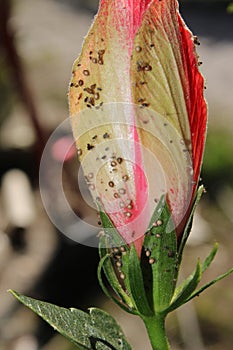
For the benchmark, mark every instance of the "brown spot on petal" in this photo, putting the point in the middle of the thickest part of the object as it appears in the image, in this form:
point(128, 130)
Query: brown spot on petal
point(147, 67)
point(89, 90)
point(89, 146)
point(125, 178)
point(141, 100)
point(92, 101)
point(145, 104)
point(138, 48)
point(196, 41)
point(86, 72)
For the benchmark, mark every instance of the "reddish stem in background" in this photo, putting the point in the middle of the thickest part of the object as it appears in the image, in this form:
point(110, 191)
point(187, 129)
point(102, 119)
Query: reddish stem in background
point(18, 77)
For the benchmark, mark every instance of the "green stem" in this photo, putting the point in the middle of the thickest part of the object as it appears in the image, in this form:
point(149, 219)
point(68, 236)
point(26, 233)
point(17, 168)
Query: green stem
point(155, 326)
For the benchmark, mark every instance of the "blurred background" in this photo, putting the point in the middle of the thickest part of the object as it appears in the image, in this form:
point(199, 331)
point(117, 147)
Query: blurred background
point(39, 40)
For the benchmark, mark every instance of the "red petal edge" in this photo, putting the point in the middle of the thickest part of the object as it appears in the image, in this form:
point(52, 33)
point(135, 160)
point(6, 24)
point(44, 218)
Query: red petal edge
point(196, 104)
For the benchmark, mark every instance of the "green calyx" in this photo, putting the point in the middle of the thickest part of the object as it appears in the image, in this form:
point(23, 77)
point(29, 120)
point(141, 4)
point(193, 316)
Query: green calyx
point(147, 285)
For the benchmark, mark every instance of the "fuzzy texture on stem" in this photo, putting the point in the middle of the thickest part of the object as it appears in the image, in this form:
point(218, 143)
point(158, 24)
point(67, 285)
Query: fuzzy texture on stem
point(155, 327)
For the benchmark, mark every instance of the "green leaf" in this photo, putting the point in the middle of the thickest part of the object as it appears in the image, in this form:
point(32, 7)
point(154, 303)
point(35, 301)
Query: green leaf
point(94, 331)
point(159, 258)
point(188, 227)
point(183, 292)
point(136, 284)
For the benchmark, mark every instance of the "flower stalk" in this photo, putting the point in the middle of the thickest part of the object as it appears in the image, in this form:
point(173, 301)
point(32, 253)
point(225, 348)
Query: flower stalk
point(155, 327)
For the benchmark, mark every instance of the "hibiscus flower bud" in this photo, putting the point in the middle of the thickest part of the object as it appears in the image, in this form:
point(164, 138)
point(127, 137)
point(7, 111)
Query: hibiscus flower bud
point(138, 113)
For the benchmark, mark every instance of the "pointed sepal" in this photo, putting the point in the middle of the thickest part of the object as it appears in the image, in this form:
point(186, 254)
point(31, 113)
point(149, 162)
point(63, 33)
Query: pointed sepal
point(136, 284)
point(207, 285)
point(189, 223)
point(183, 292)
point(114, 260)
point(159, 257)
point(187, 289)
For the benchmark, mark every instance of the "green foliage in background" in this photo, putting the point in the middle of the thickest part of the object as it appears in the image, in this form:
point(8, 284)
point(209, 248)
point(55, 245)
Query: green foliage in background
point(218, 161)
